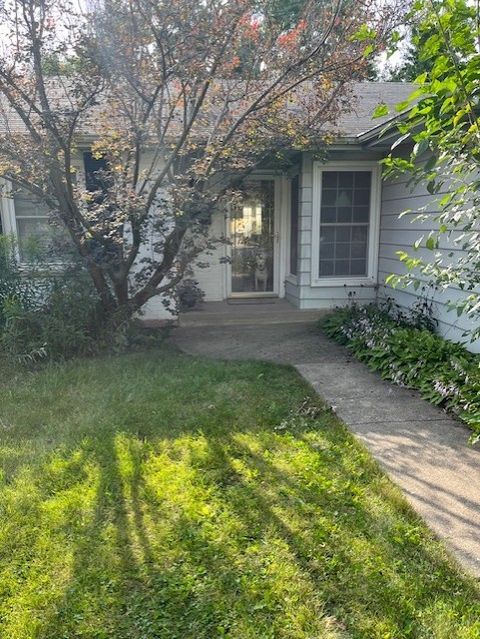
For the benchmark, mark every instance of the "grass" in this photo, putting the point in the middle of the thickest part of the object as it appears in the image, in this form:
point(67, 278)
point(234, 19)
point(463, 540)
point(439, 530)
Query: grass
point(166, 497)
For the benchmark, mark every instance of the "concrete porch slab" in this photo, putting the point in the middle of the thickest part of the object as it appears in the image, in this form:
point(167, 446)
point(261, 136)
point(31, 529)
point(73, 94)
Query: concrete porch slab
point(247, 311)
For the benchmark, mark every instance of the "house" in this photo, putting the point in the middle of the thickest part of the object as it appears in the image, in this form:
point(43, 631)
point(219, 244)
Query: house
point(329, 230)
point(319, 234)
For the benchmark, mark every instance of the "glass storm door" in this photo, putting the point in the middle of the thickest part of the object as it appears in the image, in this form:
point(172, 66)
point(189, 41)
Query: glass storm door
point(252, 239)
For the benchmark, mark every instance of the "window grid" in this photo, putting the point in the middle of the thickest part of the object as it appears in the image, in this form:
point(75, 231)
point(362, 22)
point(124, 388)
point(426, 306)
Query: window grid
point(344, 223)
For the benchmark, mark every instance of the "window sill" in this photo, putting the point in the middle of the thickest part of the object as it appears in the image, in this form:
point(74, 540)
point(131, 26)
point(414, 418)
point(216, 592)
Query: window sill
point(351, 282)
point(25, 268)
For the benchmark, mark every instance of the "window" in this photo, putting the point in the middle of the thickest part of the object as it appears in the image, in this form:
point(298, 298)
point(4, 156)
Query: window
point(28, 219)
point(344, 224)
point(294, 206)
point(34, 233)
point(95, 174)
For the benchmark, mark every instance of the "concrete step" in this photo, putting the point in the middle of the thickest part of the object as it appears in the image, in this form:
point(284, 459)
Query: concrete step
point(248, 313)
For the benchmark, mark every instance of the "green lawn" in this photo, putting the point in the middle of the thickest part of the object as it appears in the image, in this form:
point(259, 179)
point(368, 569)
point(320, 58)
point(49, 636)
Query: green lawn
point(166, 497)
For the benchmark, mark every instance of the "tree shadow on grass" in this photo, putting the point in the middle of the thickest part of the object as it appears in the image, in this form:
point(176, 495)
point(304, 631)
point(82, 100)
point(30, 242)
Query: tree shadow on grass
point(236, 538)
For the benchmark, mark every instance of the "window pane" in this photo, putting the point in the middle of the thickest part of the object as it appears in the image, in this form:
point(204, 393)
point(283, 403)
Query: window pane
point(344, 214)
point(361, 213)
point(95, 172)
point(326, 267)
point(27, 206)
point(345, 178)
point(359, 267)
point(362, 197)
point(329, 214)
point(252, 237)
point(343, 251)
point(328, 250)
point(359, 249)
point(330, 179)
point(344, 223)
point(342, 267)
point(359, 233)
point(36, 236)
point(363, 179)
point(343, 234)
point(329, 197)
point(344, 197)
point(327, 234)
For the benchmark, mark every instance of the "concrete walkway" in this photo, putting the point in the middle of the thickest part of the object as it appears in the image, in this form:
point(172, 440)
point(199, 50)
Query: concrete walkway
point(423, 450)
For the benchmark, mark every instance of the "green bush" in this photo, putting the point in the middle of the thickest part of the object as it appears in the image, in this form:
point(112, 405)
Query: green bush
point(46, 312)
point(444, 372)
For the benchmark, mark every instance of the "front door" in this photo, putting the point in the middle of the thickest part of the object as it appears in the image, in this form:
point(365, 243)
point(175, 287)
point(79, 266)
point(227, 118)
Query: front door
point(252, 236)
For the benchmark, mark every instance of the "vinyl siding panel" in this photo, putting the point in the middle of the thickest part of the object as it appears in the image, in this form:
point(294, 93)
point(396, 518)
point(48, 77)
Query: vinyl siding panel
point(209, 271)
point(292, 293)
point(311, 297)
point(398, 234)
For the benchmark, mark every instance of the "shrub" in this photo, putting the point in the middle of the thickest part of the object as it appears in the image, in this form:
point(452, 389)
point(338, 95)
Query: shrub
point(14, 289)
point(189, 295)
point(46, 312)
point(444, 372)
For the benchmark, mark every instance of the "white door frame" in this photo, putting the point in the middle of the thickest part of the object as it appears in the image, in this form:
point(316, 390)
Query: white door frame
point(281, 207)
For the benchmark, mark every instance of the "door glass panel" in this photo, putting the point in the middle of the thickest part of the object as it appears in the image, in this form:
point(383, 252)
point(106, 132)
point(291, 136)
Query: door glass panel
point(252, 237)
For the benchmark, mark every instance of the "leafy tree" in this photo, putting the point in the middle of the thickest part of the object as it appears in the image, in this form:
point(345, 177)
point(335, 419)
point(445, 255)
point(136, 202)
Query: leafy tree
point(443, 123)
point(173, 116)
point(412, 64)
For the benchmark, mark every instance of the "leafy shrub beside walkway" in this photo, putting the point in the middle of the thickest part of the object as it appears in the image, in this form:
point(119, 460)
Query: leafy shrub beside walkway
point(160, 496)
point(445, 373)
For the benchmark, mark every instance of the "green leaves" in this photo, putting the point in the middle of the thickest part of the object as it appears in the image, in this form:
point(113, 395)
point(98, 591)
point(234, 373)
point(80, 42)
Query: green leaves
point(420, 147)
point(380, 111)
point(364, 33)
point(403, 349)
point(444, 123)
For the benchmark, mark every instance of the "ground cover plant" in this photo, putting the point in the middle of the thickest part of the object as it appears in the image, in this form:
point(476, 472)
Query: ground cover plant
point(404, 350)
point(160, 496)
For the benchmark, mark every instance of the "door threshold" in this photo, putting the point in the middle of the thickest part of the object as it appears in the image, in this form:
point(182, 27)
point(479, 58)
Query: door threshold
point(253, 296)
point(267, 299)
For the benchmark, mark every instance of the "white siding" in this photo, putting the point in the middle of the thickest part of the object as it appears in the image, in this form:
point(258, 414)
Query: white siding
point(311, 297)
point(399, 234)
point(292, 292)
point(155, 308)
point(210, 271)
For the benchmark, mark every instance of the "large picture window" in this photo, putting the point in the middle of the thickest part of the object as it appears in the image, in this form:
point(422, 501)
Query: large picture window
point(344, 231)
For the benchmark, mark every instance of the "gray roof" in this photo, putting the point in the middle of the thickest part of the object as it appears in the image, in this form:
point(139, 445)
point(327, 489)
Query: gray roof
point(366, 96)
point(363, 98)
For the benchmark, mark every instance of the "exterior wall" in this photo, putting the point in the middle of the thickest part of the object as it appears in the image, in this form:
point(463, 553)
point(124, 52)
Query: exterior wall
point(398, 234)
point(304, 294)
point(157, 307)
point(292, 291)
point(212, 277)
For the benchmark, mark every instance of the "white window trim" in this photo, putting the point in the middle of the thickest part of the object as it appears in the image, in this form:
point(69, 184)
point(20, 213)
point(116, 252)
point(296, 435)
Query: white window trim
point(9, 224)
point(9, 221)
point(373, 235)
